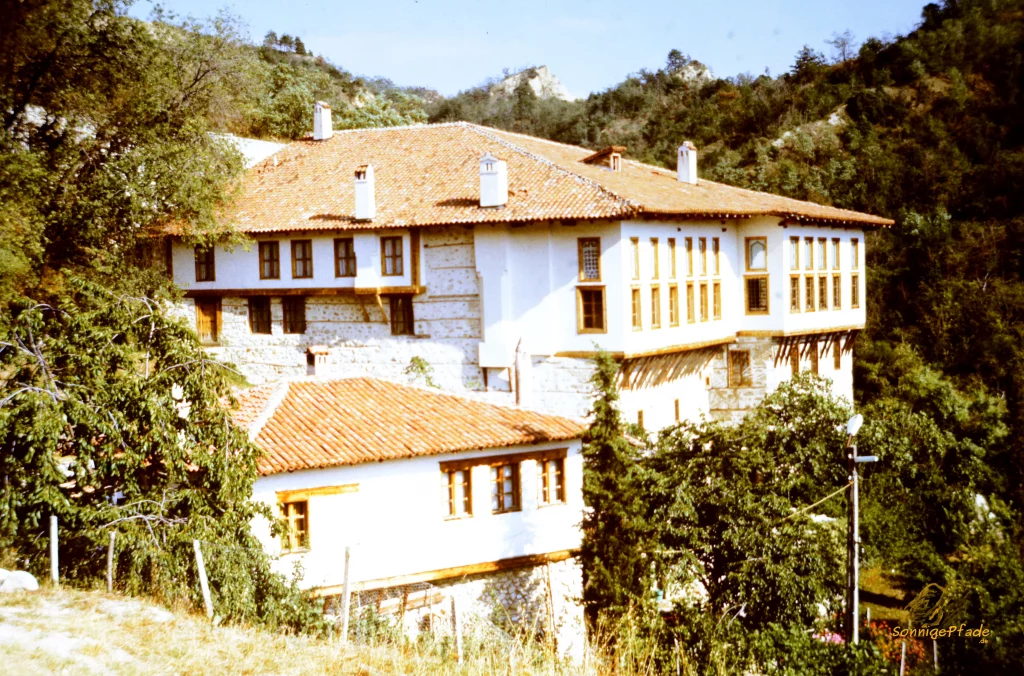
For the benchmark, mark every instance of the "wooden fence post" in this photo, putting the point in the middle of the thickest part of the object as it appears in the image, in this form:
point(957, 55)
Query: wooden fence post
point(551, 611)
point(110, 562)
point(903, 657)
point(54, 575)
point(203, 583)
point(346, 596)
point(457, 630)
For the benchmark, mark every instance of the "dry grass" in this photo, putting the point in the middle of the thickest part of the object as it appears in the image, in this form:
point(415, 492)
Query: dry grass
point(83, 632)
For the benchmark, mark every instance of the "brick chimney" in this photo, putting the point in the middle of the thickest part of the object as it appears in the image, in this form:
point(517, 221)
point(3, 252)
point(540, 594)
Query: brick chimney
point(686, 164)
point(493, 181)
point(322, 121)
point(366, 200)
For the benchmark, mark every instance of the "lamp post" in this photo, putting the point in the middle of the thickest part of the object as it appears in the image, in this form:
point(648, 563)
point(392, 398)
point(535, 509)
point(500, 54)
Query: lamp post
point(853, 530)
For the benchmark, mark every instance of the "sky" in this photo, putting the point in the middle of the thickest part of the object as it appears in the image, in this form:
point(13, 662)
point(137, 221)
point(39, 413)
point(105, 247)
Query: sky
point(590, 45)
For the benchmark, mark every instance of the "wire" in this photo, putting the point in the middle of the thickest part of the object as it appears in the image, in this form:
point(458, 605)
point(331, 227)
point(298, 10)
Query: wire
point(830, 495)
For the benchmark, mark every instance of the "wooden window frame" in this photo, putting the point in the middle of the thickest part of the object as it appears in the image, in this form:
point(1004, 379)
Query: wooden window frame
point(305, 261)
point(702, 249)
point(672, 257)
point(837, 291)
point(747, 242)
point(673, 305)
point(655, 255)
point(296, 539)
point(836, 253)
point(253, 325)
point(345, 263)
point(581, 315)
point(740, 380)
point(288, 304)
point(855, 291)
point(794, 251)
point(497, 487)
point(634, 243)
point(810, 289)
point(655, 306)
point(397, 258)
point(400, 306)
point(689, 256)
point(703, 295)
point(206, 264)
point(716, 250)
point(636, 308)
point(581, 243)
point(794, 298)
point(808, 253)
point(716, 300)
point(451, 484)
point(691, 306)
point(823, 253)
point(854, 253)
point(823, 293)
point(270, 254)
point(767, 294)
point(544, 482)
point(214, 309)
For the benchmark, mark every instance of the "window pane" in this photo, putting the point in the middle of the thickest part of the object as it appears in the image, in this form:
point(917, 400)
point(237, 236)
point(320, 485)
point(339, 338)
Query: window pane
point(344, 257)
point(757, 255)
point(808, 253)
point(794, 253)
point(590, 259)
point(294, 314)
point(809, 293)
point(794, 294)
point(259, 315)
point(822, 254)
point(757, 294)
point(270, 262)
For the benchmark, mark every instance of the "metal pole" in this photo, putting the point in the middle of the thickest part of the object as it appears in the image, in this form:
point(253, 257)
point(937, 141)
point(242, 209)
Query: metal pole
point(346, 597)
point(110, 562)
point(850, 617)
point(54, 574)
point(856, 553)
point(204, 584)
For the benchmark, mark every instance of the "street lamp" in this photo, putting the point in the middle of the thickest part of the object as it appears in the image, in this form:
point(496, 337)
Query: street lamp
point(853, 531)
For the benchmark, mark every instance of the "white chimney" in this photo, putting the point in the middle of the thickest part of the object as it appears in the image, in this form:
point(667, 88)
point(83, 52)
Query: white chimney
point(322, 121)
point(318, 359)
point(686, 164)
point(493, 181)
point(366, 200)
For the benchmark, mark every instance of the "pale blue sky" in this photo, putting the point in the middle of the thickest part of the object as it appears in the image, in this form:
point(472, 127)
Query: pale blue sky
point(451, 45)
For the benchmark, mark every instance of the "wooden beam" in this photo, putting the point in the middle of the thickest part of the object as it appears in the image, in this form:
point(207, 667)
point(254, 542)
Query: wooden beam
point(503, 459)
point(306, 493)
point(313, 291)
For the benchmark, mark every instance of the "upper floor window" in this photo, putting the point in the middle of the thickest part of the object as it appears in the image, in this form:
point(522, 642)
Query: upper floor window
point(590, 312)
point(837, 292)
point(638, 322)
point(823, 292)
point(835, 253)
point(757, 294)
point(205, 268)
point(739, 368)
point(672, 257)
point(715, 248)
point(589, 250)
point(757, 253)
point(294, 308)
point(717, 300)
point(270, 260)
point(655, 307)
point(703, 301)
point(673, 305)
point(794, 293)
point(208, 319)
point(855, 291)
point(809, 293)
point(689, 256)
point(822, 253)
point(634, 244)
point(855, 254)
point(460, 494)
point(794, 253)
point(259, 314)
point(702, 244)
point(391, 256)
point(296, 516)
point(505, 488)
point(402, 321)
point(551, 488)
point(654, 258)
point(808, 253)
point(344, 257)
point(302, 258)
point(691, 310)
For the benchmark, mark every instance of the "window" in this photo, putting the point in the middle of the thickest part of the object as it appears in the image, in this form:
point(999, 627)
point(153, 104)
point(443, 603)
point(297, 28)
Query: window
point(635, 300)
point(835, 253)
point(677, 410)
point(822, 253)
point(654, 258)
point(716, 299)
point(402, 321)
point(294, 314)
point(837, 292)
point(208, 319)
point(702, 244)
point(655, 307)
point(855, 291)
point(715, 248)
point(673, 305)
point(270, 260)
point(855, 254)
point(823, 292)
point(505, 488)
point(808, 253)
point(460, 493)
point(551, 490)
point(590, 317)
point(205, 268)
point(794, 253)
point(635, 249)
point(589, 259)
point(703, 302)
point(691, 310)
point(391, 256)
point(296, 514)
point(344, 257)
point(809, 293)
point(302, 258)
point(794, 293)
point(757, 253)
point(739, 368)
point(259, 315)
point(837, 355)
point(813, 351)
point(794, 360)
point(757, 295)
point(672, 257)
point(689, 256)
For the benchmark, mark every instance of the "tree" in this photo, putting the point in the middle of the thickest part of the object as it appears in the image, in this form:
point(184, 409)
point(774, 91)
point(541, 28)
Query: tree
point(270, 39)
point(300, 48)
point(676, 61)
point(287, 42)
point(809, 64)
point(843, 45)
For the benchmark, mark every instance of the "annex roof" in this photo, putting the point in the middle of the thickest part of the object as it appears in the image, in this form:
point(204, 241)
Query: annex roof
point(427, 175)
point(318, 423)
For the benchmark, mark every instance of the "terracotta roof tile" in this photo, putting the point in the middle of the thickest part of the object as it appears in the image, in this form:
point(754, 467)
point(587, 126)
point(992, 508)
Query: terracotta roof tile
point(327, 423)
point(428, 175)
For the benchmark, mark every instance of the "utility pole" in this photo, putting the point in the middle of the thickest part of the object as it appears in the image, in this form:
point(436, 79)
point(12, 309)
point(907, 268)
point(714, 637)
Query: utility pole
point(853, 531)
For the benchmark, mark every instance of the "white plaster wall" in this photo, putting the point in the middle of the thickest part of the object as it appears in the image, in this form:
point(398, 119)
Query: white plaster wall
point(396, 523)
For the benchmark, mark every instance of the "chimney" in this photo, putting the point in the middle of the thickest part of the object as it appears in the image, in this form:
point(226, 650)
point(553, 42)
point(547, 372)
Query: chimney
point(366, 200)
point(493, 181)
point(317, 360)
point(686, 165)
point(322, 121)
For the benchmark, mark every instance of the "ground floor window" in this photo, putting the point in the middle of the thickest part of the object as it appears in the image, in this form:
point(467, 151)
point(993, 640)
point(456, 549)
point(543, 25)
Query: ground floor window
point(739, 368)
point(296, 514)
point(259, 315)
point(402, 321)
point(294, 314)
point(208, 319)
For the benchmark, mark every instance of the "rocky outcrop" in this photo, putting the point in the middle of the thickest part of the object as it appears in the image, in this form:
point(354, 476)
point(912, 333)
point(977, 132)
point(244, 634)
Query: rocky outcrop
point(541, 80)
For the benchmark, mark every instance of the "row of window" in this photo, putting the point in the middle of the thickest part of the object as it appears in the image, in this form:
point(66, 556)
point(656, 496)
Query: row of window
point(822, 253)
point(505, 483)
point(208, 316)
point(819, 286)
point(655, 262)
point(391, 260)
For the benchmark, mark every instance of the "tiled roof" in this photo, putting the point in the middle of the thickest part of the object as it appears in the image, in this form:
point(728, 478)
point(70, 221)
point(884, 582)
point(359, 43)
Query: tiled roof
point(326, 423)
point(429, 175)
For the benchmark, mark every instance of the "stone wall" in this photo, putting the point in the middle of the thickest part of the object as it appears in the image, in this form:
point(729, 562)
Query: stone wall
point(730, 404)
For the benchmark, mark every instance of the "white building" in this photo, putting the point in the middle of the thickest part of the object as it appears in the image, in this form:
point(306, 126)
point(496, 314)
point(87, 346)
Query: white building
point(458, 244)
point(433, 494)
